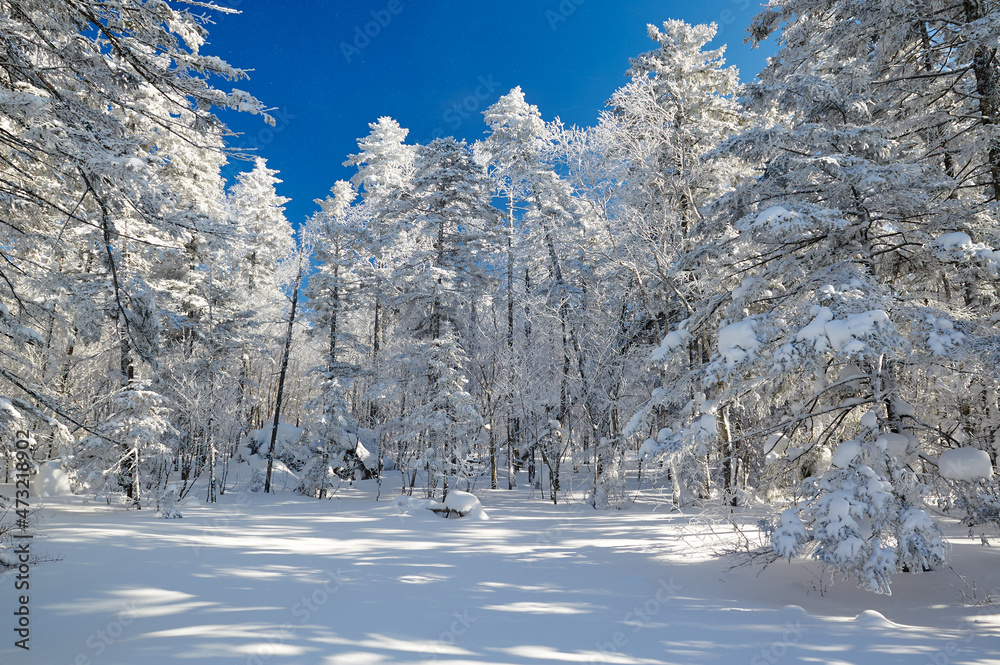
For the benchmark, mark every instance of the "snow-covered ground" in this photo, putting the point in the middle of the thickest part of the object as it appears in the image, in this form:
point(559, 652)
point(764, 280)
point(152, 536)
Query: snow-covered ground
point(283, 579)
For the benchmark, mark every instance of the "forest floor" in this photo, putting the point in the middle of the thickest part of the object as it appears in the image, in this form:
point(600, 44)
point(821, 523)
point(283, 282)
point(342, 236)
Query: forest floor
point(283, 579)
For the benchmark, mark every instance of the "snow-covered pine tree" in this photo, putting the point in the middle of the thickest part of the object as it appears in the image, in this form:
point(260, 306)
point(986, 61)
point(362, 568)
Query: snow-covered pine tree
point(553, 224)
point(331, 427)
point(829, 299)
point(264, 249)
point(259, 211)
point(445, 424)
point(679, 106)
point(385, 166)
point(438, 264)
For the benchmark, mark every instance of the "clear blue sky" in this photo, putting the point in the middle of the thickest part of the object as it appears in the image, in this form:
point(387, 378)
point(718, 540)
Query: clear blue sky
point(434, 66)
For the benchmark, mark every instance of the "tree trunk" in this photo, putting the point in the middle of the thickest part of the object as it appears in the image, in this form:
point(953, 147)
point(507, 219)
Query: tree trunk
point(984, 66)
point(333, 318)
point(493, 456)
point(728, 456)
point(281, 378)
point(376, 348)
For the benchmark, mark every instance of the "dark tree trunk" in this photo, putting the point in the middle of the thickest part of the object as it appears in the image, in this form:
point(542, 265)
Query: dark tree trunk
point(281, 378)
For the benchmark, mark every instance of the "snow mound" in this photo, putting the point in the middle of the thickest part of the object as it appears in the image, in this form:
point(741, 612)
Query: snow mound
point(954, 241)
point(738, 341)
point(968, 464)
point(845, 454)
point(793, 611)
point(456, 504)
point(251, 473)
point(874, 619)
point(190, 501)
point(459, 504)
point(52, 480)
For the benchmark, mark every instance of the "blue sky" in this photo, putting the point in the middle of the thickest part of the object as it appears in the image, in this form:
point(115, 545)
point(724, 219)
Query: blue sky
point(330, 68)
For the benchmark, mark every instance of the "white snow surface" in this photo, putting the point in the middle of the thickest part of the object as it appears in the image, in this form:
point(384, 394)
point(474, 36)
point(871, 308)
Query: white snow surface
point(968, 464)
point(282, 579)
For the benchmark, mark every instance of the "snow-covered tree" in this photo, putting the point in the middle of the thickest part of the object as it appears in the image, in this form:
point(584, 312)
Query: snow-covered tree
point(259, 212)
point(660, 135)
point(385, 166)
point(825, 290)
point(445, 424)
point(331, 425)
point(130, 454)
point(542, 208)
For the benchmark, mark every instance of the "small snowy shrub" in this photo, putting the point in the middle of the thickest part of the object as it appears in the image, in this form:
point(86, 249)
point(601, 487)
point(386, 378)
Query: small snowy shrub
point(256, 482)
point(166, 503)
point(863, 526)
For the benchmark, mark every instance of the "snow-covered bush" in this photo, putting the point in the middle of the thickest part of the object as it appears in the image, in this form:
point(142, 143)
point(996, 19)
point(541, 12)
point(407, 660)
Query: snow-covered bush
point(131, 451)
point(859, 520)
point(166, 503)
point(455, 505)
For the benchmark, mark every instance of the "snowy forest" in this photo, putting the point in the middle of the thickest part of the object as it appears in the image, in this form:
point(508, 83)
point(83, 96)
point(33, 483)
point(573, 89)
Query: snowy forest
point(783, 291)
